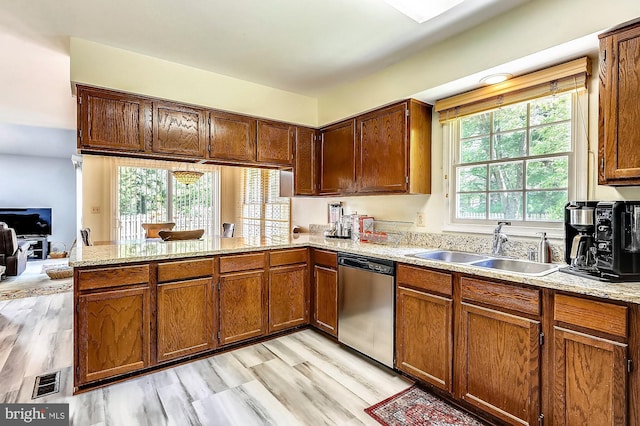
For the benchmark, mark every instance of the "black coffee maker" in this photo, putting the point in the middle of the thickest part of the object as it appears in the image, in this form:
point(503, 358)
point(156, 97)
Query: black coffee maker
point(618, 240)
point(580, 247)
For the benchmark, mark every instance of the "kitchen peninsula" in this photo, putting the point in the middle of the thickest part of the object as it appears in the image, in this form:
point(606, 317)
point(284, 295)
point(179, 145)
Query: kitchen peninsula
point(141, 306)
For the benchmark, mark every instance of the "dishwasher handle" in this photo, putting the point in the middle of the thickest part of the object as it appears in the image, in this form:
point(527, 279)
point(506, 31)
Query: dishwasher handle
point(354, 262)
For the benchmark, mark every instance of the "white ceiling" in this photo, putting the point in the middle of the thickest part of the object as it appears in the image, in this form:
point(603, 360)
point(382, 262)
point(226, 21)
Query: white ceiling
point(303, 46)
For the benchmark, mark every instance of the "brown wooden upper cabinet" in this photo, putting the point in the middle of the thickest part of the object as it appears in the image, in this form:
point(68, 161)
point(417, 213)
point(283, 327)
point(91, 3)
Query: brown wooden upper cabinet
point(110, 121)
point(179, 130)
point(394, 149)
point(305, 164)
point(275, 143)
point(619, 110)
point(232, 137)
point(337, 157)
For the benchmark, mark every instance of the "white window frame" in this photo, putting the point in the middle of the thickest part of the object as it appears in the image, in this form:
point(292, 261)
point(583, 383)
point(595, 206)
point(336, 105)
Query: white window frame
point(577, 181)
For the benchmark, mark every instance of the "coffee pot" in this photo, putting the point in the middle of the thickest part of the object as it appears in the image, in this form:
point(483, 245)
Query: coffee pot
point(580, 250)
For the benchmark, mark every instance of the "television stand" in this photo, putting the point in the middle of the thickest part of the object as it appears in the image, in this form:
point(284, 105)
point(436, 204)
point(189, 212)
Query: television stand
point(39, 246)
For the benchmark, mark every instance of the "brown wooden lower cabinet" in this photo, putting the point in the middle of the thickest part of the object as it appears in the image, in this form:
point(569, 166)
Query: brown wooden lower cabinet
point(113, 335)
point(499, 363)
point(288, 297)
point(424, 336)
point(325, 302)
point(185, 318)
point(590, 380)
point(590, 369)
point(242, 306)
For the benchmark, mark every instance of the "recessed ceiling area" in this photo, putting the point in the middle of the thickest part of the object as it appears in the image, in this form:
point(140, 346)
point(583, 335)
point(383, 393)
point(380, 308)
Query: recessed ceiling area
point(305, 47)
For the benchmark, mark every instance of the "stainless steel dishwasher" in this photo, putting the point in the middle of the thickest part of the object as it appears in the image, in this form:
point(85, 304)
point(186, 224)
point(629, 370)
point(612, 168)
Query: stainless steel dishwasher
point(366, 305)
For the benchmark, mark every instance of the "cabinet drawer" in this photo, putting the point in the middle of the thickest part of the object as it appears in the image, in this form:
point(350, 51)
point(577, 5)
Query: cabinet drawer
point(112, 277)
point(288, 257)
point(598, 316)
point(501, 295)
point(325, 258)
point(424, 279)
point(185, 269)
point(242, 262)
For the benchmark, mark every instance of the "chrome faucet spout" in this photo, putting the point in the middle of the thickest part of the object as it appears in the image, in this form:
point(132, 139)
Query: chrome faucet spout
point(499, 238)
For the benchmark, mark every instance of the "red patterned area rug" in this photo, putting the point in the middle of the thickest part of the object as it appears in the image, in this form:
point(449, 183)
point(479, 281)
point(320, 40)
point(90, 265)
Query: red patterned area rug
point(414, 406)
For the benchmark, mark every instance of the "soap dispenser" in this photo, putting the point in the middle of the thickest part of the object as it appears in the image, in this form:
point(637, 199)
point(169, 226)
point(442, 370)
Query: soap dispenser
point(544, 249)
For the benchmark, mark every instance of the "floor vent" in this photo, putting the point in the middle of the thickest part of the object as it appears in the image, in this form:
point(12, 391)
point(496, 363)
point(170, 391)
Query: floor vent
point(46, 385)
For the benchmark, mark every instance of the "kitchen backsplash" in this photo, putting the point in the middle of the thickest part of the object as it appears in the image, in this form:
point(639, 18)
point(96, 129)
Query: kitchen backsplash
point(469, 243)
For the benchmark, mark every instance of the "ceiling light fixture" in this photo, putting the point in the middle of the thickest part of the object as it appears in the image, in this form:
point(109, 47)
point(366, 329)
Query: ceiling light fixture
point(423, 10)
point(495, 78)
point(187, 177)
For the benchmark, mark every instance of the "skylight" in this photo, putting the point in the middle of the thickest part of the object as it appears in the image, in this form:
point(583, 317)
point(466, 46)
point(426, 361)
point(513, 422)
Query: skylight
point(423, 10)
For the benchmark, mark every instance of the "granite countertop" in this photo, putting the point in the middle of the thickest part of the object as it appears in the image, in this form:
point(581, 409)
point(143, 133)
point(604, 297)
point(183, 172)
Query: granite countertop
point(140, 251)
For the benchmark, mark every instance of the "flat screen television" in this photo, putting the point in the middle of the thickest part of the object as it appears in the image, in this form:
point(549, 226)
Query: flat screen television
point(31, 221)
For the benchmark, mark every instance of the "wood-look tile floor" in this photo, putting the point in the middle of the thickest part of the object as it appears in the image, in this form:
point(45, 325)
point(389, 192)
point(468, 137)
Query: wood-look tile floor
point(299, 379)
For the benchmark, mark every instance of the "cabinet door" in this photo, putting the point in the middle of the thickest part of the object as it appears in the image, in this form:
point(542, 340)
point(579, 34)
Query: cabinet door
point(619, 116)
point(382, 156)
point(590, 380)
point(288, 305)
point(113, 333)
point(338, 158)
point(498, 363)
point(185, 318)
point(275, 143)
point(110, 120)
point(424, 344)
point(232, 137)
point(325, 301)
point(179, 130)
point(304, 169)
point(242, 306)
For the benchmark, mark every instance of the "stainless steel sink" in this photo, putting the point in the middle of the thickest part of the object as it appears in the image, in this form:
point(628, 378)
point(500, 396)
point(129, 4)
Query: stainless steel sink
point(449, 256)
point(517, 266)
point(510, 265)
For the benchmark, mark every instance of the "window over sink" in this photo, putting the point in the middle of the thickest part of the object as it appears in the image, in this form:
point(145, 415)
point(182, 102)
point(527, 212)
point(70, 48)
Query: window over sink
point(516, 156)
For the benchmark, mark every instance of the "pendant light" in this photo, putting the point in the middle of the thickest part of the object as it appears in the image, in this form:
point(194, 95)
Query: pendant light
point(187, 176)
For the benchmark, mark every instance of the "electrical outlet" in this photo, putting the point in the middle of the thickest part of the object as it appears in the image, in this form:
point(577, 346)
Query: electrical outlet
point(95, 209)
point(420, 219)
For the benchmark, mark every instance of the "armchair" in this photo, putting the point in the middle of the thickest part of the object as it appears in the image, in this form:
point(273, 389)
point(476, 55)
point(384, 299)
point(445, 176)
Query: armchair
point(13, 252)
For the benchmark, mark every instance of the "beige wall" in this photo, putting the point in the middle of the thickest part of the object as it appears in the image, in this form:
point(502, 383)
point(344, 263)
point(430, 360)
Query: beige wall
point(531, 28)
point(96, 193)
point(103, 66)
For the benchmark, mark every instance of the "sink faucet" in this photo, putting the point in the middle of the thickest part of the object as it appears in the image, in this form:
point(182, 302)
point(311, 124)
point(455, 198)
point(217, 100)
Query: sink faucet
point(499, 239)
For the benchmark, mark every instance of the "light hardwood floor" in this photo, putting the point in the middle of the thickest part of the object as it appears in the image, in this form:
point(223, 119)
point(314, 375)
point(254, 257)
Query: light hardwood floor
point(298, 379)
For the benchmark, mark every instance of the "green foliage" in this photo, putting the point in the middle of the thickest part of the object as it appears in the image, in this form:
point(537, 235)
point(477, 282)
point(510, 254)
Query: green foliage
point(475, 125)
point(548, 173)
point(506, 205)
point(472, 178)
point(474, 150)
point(505, 176)
point(141, 190)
